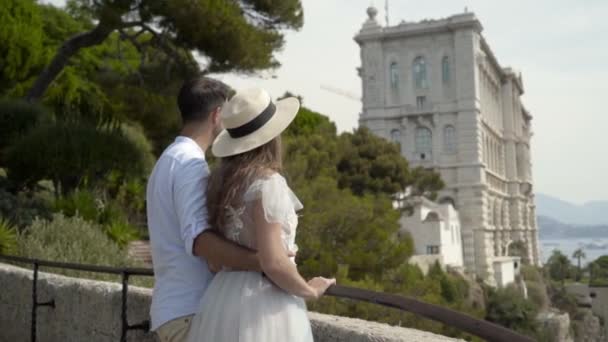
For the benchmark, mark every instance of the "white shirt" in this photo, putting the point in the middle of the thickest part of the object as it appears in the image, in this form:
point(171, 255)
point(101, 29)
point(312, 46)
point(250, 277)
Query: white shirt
point(177, 214)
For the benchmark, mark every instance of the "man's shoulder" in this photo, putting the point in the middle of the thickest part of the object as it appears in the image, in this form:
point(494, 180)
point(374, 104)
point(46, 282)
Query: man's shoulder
point(184, 154)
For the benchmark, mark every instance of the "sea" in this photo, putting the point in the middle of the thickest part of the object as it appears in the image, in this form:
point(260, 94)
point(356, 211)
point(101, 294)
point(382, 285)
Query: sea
point(593, 248)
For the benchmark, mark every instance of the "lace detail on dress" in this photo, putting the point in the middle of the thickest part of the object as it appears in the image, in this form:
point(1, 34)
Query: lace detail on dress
point(235, 223)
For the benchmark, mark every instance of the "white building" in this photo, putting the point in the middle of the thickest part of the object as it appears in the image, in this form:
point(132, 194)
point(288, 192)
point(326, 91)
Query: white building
point(506, 269)
point(436, 88)
point(435, 229)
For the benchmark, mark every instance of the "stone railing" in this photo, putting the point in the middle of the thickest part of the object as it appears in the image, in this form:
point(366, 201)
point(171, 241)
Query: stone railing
point(88, 310)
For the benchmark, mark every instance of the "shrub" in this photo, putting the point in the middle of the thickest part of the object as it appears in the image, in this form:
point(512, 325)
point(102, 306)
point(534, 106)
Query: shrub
point(122, 233)
point(73, 154)
point(82, 203)
point(508, 307)
point(8, 237)
point(537, 293)
point(23, 207)
point(74, 240)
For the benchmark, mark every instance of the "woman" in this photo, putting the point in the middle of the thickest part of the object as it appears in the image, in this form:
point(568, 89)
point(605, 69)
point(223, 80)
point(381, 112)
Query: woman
point(250, 203)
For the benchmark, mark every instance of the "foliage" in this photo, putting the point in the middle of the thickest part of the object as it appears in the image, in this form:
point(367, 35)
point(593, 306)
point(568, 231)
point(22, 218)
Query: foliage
point(22, 207)
point(73, 240)
point(21, 37)
point(507, 307)
point(598, 270)
point(558, 266)
point(82, 203)
point(122, 233)
point(8, 237)
point(55, 151)
point(536, 287)
point(91, 206)
point(369, 164)
point(537, 293)
point(518, 248)
point(16, 118)
point(356, 240)
point(578, 255)
point(239, 36)
point(531, 273)
point(308, 122)
point(358, 232)
point(562, 300)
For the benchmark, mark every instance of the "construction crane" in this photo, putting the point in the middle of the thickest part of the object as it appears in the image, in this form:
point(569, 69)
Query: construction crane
point(341, 92)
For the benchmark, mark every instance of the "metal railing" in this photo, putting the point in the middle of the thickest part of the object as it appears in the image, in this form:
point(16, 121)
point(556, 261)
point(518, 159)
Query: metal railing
point(480, 328)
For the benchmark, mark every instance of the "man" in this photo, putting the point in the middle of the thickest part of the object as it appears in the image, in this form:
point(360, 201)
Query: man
point(183, 247)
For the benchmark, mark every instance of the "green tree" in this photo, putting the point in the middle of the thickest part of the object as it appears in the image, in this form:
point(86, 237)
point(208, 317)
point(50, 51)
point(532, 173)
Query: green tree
point(558, 266)
point(358, 232)
point(598, 270)
point(231, 35)
point(20, 41)
point(578, 255)
point(371, 165)
point(74, 154)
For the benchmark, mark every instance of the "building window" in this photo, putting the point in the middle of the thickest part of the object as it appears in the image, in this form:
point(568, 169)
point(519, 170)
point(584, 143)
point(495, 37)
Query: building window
point(420, 102)
point(424, 143)
point(449, 139)
point(394, 75)
point(445, 70)
point(432, 249)
point(396, 137)
point(420, 77)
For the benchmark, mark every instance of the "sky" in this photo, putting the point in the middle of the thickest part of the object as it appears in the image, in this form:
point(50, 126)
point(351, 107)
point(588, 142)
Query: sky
point(560, 46)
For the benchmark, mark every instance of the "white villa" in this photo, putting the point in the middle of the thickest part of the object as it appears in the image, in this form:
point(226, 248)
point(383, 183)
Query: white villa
point(435, 229)
point(436, 88)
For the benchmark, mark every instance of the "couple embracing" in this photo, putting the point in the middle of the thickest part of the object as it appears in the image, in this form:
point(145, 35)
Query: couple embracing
point(223, 242)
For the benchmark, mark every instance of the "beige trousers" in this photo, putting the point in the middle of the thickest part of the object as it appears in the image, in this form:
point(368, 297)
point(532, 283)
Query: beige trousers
point(175, 330)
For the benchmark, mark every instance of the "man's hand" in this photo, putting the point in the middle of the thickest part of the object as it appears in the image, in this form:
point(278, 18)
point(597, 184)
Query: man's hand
point(214, 268)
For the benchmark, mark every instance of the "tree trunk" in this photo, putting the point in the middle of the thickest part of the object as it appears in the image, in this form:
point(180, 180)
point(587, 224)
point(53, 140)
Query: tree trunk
point(69, 48)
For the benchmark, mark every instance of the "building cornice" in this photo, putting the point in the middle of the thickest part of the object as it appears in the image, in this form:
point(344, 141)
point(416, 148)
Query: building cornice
point(450, 24)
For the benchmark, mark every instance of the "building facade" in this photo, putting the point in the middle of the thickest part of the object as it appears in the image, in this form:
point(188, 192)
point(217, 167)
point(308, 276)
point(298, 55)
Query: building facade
point(436, 88)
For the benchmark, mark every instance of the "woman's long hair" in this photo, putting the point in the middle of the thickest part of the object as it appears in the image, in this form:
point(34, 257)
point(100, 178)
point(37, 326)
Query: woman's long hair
point(231, 178)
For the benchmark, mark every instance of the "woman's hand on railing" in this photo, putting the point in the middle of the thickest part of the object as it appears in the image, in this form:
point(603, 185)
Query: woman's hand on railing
point(320, 285)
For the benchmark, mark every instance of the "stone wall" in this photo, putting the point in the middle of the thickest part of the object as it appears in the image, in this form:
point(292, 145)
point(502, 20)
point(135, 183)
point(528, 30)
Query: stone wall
point(88, 310)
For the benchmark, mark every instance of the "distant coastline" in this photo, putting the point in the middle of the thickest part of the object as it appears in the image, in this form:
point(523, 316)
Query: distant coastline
point(551, 229)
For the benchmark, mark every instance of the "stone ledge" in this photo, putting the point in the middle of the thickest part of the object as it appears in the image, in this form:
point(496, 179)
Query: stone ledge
point(88, 310)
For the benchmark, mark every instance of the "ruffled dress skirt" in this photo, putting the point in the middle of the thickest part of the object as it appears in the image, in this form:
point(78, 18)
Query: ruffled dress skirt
point(247, 307)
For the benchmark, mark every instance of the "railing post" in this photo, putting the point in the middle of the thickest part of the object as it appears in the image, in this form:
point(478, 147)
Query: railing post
point(123, 313)
point(34, 302)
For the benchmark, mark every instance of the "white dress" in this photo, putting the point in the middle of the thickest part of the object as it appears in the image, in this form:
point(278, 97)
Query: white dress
point(245, 306)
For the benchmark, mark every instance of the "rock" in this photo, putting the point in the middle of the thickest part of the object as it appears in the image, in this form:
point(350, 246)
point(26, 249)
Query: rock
point(587, 327)
point(557, 324)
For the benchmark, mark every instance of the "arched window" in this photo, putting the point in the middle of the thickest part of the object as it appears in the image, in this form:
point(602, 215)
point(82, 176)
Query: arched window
point(420, 77)
point(394, 75)
point(445, 70)
point(424, 143)
point(396, 137)
point(449, 139)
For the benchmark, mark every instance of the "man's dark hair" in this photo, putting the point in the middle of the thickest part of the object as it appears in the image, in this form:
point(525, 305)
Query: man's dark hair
point(199, 96)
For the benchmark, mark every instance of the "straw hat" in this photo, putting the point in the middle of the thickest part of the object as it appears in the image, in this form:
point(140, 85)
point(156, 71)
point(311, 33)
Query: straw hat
point(251, 119)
